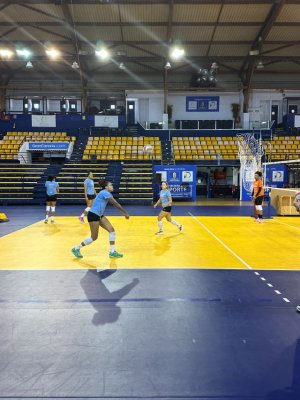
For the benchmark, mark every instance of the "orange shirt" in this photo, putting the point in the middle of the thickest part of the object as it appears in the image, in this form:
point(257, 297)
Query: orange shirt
point(256, 186)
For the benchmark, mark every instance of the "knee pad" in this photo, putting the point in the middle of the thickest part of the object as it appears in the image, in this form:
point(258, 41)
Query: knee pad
point(258, 208)
point(53, 209)
point(112, 236)
point(48, 208)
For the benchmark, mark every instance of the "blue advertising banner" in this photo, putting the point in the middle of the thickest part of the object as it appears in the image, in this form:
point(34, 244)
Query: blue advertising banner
point(48, 146)
point(181, 179)
point(276, 175)
point(202, 103)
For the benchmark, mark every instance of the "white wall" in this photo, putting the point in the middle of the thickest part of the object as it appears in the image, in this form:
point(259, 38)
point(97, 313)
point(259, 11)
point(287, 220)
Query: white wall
point(178, 101)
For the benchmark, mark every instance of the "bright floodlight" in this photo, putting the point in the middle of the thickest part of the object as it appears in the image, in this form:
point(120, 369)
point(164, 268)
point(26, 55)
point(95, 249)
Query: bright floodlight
point(5, 53)
point(53, 53)
point(102, 53)
point(177, 53)
point(24, 53)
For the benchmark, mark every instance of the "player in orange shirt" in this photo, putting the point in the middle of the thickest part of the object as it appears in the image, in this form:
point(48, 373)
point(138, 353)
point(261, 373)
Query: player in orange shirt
point(258, 195)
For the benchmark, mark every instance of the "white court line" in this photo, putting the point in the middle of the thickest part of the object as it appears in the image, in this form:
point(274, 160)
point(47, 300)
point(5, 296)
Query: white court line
point(220, 241)
point(286, 300)
point(269, 284)
point(282, 223)
point(277, 291)
point(263, 279)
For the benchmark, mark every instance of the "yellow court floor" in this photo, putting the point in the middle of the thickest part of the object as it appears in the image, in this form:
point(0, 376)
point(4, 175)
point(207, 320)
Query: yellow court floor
point(206, 242)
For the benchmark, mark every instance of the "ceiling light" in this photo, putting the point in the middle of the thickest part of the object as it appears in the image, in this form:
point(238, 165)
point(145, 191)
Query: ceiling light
point(254, 52)
point(53, 53)
point(260, 65)
point(75, 65)
point(103, 54)
point(122, 66)
point(5, 53)
point(177, 53)
point(214, 65)
point(24, 53)
point(168, 65)
point(29, 65)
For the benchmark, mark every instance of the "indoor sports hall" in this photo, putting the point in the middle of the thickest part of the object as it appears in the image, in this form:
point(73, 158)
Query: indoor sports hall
point(150, 199)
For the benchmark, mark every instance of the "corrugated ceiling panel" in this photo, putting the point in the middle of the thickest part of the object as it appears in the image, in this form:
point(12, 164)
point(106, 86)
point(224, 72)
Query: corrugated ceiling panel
point(245, 12)
point(193, 33)
point(286, 52)
point(195, 50)
point(95, 33)
point(236, 33)
point(282, 66)
point(229, 50)
point(144, 33)
point(26, 33)
point(289, 13)
point(144, 13)
point(196, 13)
point(96, 13)
point(21, 14)
point(290, 33)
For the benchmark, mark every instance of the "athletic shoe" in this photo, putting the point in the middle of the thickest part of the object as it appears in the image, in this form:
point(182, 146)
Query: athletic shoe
point(46, 221)
point(81, 219)
point(76, 253)
point(298, 308)
point(180, 228)
point(159, 233)
point(261, 221)
point(115, 254)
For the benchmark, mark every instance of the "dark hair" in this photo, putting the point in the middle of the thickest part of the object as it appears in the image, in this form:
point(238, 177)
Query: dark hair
point(103, 183)
point(165, 183)
point(51, 178)
point(89, 172)
point(258, 173)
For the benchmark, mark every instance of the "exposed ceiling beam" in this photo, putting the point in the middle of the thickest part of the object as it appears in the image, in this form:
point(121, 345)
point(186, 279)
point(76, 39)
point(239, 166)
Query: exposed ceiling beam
point(40, 28)
point(54, 17)
point(153, 2)
point(3, 6)
point(154, 42)
point(8, 32)
point(170, 22)
point(258, 42)
point(141, 24)
point(282, 47)
point(214, 30)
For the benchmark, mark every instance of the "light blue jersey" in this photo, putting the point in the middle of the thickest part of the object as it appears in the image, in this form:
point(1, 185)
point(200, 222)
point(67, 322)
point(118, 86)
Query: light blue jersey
point(164, 197)
point(100, 202)
point(51, 187)
point(89, 186)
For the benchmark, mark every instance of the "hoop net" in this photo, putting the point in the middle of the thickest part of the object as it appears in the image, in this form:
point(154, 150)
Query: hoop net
point(250, 153)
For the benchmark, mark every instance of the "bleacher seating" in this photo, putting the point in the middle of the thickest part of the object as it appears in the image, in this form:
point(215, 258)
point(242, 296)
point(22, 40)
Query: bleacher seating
point(283, 148)
point(121, 148)
point(204, 148)
point(17, 182)
point(136, 183)
point(71, 177)
point(12, 141)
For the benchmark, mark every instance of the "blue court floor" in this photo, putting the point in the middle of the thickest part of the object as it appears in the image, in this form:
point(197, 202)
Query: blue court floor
point(146, 333)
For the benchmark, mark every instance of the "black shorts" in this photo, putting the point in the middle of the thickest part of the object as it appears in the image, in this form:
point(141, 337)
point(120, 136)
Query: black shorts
point(91, 196)
point(167, 209)
point(259, 200)
point(51, 198)
point(92, 217)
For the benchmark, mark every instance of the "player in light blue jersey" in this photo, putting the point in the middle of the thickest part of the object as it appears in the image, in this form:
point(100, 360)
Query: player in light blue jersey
point(97, 219)
point(165, 199)
point(52, 189)
point(89, 194)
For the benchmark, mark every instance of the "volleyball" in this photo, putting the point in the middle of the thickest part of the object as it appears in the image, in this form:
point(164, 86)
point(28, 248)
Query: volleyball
point(148, 148)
